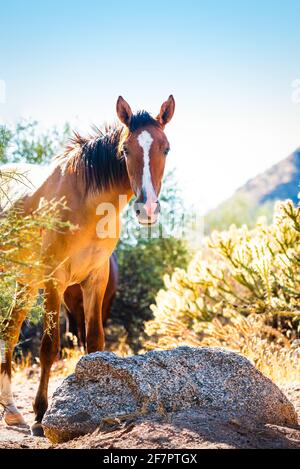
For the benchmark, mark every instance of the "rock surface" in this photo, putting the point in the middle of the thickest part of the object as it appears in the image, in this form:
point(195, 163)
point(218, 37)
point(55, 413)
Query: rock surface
point(106, 389)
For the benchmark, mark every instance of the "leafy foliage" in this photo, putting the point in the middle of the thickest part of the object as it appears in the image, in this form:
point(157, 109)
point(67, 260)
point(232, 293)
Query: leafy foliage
point(22, 235)
point(20, 259)
point(144, 256)
point(5, 138)
point(27, 143)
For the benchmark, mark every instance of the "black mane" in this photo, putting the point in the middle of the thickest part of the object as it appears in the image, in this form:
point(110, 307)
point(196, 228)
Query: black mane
point(103, 164)
point(141, 119)
point(99, 159)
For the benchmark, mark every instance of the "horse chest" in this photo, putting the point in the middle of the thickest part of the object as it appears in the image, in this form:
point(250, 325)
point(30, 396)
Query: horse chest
point(85, 261)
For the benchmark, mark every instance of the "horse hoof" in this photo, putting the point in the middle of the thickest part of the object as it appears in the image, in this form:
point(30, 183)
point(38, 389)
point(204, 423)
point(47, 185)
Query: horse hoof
point(37, 430)
point(14, 418)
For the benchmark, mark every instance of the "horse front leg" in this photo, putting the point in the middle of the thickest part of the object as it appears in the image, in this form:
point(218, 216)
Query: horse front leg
point(93, 289)
point(48, 352)
point(24, 297)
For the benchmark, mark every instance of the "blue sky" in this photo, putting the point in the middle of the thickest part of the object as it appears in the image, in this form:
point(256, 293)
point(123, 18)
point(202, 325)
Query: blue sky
point(229, 64)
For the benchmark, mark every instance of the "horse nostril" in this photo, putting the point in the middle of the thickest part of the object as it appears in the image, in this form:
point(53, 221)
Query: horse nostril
point(157, 210)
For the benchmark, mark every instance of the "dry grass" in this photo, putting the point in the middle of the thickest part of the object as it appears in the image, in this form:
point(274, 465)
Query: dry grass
point(27, 367)
point(239, 284)
point(267, 348)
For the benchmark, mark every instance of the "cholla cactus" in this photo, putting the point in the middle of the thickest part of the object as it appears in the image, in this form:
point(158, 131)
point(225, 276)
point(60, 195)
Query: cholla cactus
point(243, 287)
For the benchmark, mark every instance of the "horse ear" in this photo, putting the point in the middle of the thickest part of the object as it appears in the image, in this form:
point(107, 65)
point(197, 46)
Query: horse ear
point(124, 111)
point(166, 111)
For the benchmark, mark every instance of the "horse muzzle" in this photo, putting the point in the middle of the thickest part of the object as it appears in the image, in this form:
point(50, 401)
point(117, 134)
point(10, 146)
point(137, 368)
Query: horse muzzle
point(147, 213)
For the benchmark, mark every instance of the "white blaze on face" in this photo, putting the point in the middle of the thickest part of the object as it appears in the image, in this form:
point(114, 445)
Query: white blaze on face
point(145, 140)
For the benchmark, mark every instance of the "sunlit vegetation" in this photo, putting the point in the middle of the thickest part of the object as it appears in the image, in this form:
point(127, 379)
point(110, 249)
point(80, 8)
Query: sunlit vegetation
point(242, 292)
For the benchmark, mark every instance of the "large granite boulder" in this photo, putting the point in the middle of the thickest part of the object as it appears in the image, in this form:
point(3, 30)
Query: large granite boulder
point(106, 387)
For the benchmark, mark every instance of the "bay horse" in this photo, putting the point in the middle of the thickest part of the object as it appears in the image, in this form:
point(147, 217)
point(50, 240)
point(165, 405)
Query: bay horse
point(73, 301)
point(97, 177)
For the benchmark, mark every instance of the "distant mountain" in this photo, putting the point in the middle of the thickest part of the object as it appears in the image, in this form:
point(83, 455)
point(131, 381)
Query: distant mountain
point(281, 181)
point(256, 198)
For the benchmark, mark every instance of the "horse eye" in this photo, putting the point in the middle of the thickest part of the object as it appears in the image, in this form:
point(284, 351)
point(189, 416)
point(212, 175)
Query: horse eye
point(125, 151)
point(166, 151)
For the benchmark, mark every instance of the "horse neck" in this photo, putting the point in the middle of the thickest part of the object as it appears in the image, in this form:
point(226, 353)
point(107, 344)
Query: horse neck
point(119, 196)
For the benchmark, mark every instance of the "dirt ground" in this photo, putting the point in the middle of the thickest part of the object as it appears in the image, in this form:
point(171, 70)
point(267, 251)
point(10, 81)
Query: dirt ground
point(188, 429)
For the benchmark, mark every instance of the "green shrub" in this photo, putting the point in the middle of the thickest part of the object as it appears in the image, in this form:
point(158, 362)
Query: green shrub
point(26, 142)
point(143, 261)
point(20, 252)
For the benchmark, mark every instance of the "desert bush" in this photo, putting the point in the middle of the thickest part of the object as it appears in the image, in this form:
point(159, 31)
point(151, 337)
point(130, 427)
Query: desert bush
point(20, 248)
point(240, 291)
